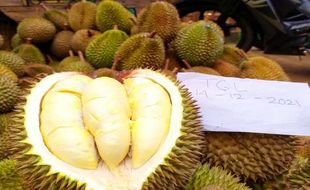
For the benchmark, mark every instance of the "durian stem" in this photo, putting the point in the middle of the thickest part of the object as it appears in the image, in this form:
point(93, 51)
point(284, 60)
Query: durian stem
point(115, 27)
point(49, 59)
point(152, 34)
point(44, 6)
point(89, 33)
point(186, 63)
point(28, 40)
point(81, 56)
point(71, 53)
point(167, 64)
point(66, 26)
point(175, 70)
point(115, 63)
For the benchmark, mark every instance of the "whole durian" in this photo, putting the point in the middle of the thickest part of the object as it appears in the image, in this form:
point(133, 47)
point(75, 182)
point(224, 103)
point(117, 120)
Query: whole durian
point(214, 178)
point(100, 52)
point(250, 156)
point(16, 41)
point(61, 44)
point(161, 17)
point(199, 43)
point(82, 15)
point(82, 38)
point(57, 17)
point(61, 97)
point(263, 68)
point(111, 13)
point(38, 29)
point(6, 71)
point(71, 64)
point(9, 178)
point(9, 94)
point(12, 61)
point(144, 50)
point(30, 53)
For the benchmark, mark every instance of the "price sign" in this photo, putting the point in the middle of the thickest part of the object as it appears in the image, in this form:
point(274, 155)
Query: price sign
point(248, 105)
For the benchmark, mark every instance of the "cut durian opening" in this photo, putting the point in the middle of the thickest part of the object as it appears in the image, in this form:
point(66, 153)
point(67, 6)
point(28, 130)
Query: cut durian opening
point(124, 176)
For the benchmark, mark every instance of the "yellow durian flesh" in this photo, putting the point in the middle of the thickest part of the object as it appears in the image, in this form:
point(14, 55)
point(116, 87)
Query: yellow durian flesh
point(62, 125)
point(107, 116)
point(151, 109)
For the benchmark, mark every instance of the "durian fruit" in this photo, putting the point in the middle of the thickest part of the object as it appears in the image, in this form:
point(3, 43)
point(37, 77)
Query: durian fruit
point(61, 44)
point(263, 68)
point(38, 29)
point(111, 13)
point(9, 178)
point(200, 69)
point(81, 39)
point(1, 41)
point(226, 69)
point(12, 61)
point(5, 123)
point(105, 72)
point(252, 157)
point(170, 128)
point(6, 71)
point(217, 29)
point(161, 17)
point(16, 41)
point(9, 93)
point(234, 55)
point(73, 64)
point(82, 15)
point(53, 62)
point(199, 43)
point(100, 52)
point(30, 53)
point(66, 61)
point(57, 17)
point(144, 50)
point(214, 178)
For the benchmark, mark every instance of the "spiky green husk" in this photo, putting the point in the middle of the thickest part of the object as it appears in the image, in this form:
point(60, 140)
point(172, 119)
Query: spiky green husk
point(178, 166)
point(250, 156)
point(82, 38)
point(226, 69)
point(105, 72)
point(100, 52)
point(38, 29)
point(141, 51)
point(1, 41)
point(199, 44)
point(111, 13)
point(6, 71)
point(82, 15)
point(234, 55)
point(264, 69)
point(62, 44)
point(9, 93)
point(57, 17)
point(74, 64)
point(16, 41)
point(5, 122)
point(9, 178)
point(67, 61)
point(30, 53)
point(12, 61)
point(207, 177)
point(161, 17)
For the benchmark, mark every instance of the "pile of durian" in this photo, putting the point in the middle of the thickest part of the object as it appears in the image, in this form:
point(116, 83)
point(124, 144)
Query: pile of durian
point(89, 100)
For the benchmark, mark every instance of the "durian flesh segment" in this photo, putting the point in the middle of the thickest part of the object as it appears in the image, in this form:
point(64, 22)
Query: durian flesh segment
point(151, 110)
point(62, 124)
point(107, 116)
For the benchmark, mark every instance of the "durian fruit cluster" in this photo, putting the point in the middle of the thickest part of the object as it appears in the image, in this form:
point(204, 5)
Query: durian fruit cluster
point(104, 39)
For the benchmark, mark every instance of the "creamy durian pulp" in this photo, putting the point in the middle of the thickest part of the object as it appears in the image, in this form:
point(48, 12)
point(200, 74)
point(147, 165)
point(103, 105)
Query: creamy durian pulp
point(101, 132)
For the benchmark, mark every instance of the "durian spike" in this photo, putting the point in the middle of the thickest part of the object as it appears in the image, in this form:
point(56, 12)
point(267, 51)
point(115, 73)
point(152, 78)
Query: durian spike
point(133, 20)
point(152, 34)
point(81, 56)
point(186, 63)
point(71, 53)
point(42, 4)
point(115, 27)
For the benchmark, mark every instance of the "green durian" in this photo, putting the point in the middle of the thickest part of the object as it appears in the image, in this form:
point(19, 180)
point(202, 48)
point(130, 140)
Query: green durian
point(61, 44)
point(9, 94)
point(111, 13)
point(82, 38)
point(16, 41)
point(9, 178)
point(38, 29)
point(234, 55)
point(82, 15)
point(161, 17)
point(6, 71)
point(57, 17)
point(214, 178)
point(30, 53)
point(199, 43)
point(100, 52)
point(144, 50)
point(73, 64)
point(12, 61)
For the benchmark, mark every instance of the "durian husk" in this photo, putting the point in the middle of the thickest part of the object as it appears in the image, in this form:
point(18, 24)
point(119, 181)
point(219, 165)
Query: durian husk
point(234, 55)
point(226, 69)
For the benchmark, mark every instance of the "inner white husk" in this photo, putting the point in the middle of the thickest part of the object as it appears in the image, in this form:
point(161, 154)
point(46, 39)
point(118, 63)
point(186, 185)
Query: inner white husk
point(124, 177)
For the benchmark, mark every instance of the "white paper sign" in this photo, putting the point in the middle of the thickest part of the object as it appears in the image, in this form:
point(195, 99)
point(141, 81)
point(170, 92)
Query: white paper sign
point(249, 105)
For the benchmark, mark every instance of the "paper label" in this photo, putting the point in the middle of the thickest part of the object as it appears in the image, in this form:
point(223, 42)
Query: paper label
point(248, 105)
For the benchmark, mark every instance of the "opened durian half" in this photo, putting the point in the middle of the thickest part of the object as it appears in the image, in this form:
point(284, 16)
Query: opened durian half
point(139, 132)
